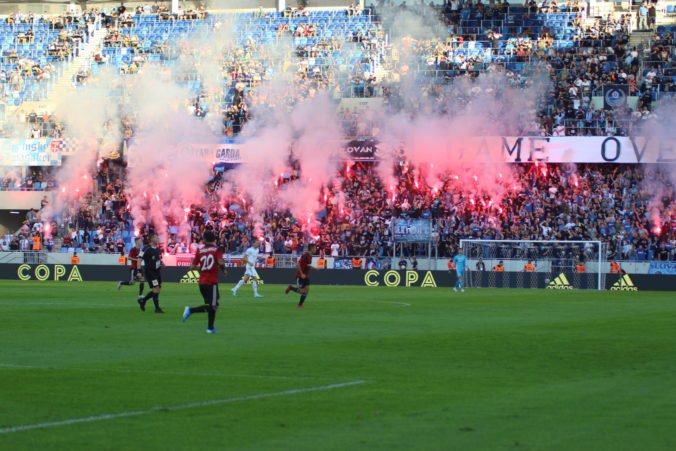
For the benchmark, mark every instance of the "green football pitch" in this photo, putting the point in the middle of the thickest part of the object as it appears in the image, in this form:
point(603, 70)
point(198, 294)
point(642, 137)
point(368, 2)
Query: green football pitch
point(81, 367)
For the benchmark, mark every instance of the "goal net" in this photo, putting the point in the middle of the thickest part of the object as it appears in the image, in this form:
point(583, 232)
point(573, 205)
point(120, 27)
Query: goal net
point(560, 265)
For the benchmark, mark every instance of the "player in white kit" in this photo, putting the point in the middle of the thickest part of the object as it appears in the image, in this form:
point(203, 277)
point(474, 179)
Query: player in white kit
point(250, 257)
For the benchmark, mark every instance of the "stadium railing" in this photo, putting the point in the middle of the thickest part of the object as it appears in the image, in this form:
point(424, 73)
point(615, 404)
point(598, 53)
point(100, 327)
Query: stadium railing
point(36, 186)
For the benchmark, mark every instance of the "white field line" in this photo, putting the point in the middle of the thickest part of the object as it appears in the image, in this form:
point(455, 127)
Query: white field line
point(133, 413)
point(160, 372)
point(403, 304)
point(97, 305)
point(58, 304)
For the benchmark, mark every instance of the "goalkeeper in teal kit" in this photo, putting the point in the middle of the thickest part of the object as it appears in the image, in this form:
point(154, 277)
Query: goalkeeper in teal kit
point(459, 261)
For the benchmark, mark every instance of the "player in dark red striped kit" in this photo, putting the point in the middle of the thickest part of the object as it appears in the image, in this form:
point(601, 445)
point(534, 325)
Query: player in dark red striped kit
point(136, 272)
point(207, 261)
point(303, 275)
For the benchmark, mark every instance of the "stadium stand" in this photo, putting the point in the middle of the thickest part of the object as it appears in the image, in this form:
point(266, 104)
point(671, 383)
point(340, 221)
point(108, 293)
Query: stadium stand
point(350, 54)
point(34, 50)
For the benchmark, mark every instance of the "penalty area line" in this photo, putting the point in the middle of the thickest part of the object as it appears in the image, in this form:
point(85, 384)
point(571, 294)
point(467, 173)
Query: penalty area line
point(403, 304)
point(12, 366)
point(213, 402)
point(58, 304)
point(362, 301)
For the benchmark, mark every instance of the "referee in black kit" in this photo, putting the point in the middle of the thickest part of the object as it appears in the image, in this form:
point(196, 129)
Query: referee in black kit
point(152, 259)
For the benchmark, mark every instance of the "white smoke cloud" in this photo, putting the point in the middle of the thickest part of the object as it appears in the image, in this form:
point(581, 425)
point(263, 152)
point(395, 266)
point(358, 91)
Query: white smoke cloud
point(659, 183)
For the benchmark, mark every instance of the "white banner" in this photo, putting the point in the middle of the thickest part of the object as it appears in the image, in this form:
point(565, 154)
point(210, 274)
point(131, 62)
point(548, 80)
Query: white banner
point(30, 152)
point(411, 230)
point(219, 153)
point(531, 149)
point(525, 149)
point(598, 149)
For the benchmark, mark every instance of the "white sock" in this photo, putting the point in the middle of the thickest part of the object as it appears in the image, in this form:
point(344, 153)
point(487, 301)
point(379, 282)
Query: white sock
point(254, 284)
point(239, 284)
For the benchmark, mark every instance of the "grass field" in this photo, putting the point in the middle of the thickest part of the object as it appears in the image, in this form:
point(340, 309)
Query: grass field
point(359, 368)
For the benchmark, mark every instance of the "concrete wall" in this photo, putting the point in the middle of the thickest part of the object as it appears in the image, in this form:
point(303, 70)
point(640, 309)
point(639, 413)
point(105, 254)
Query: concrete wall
point(424, 264)
point(58, 274)
point(545, 266)
point(57, 258)
point(23, 200)
point(59, 7)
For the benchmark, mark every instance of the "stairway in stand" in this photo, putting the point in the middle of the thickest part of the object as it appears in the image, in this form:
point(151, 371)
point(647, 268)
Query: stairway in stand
point(640, 38)
point(83, 60)
point(64, 83)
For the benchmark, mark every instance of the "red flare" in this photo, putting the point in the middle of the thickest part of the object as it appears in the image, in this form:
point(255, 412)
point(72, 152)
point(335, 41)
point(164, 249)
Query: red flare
point(48, 227)
point(186, 210)
point(325, 197)
point(416, 184)
point(145, 195)
point(157, 196)
point(276, 183)
point(84, 176)
point(476, 179)
point(658, 230)
point(472, 201)
point(63, 190)
point(500, 175)
point(77, 190)
point(136, 232)
point(261, 239)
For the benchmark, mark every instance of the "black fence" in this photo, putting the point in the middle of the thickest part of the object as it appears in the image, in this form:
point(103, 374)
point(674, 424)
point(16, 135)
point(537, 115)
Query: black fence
point(369, 278)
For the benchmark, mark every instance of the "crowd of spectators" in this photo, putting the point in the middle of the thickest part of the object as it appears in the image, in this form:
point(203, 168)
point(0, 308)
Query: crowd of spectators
point(28, 179)
point(580, 53)
point(590, 202)
point(305, 52)
point(553, 202)
point(320, 63)
point(33, 49)
point(597, 54)
point(96, 224)
point(18, 73)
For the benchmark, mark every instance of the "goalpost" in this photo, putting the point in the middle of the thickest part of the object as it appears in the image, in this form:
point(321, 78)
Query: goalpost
point(562, 265)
